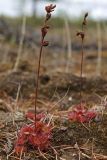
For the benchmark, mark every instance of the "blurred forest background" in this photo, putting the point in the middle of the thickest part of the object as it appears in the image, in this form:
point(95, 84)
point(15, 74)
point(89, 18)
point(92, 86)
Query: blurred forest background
point(20, 24)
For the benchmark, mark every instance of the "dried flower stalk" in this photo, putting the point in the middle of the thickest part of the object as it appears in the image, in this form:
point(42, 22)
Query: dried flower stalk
point(44, 30)
point(81, 34)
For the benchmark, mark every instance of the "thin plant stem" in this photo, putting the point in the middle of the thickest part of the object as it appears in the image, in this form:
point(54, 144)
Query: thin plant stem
point(81, 69)
point(82, 36)
point(44, 43)
point(37, 80)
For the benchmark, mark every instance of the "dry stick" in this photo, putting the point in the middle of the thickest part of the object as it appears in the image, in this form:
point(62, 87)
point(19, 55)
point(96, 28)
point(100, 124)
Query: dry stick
point(60, 100)
point(68, 40)
point(41, 154)
point(23, 30)
point(17, 97)
point(99, 57)
point(63, 42)
point(55, 152)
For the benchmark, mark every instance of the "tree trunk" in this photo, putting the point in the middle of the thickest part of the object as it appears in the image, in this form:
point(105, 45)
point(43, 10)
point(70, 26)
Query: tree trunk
point(34, 8)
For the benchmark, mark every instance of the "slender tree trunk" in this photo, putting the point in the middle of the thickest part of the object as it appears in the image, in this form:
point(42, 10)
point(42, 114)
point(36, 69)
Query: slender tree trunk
point(23, 30)
point(34, 8)
point(69, 43)
point(99, 57)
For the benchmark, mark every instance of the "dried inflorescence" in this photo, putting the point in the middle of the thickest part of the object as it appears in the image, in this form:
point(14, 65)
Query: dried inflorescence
point(49, 9)
point(81, 114)
point(44, 31)
point(81, 34)
point(29, 137)
point(45, 28)
point(84, 23)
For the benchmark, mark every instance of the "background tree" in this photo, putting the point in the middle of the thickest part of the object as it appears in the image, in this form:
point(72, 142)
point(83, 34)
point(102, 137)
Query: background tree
point(22, 4)
point(34, 9)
